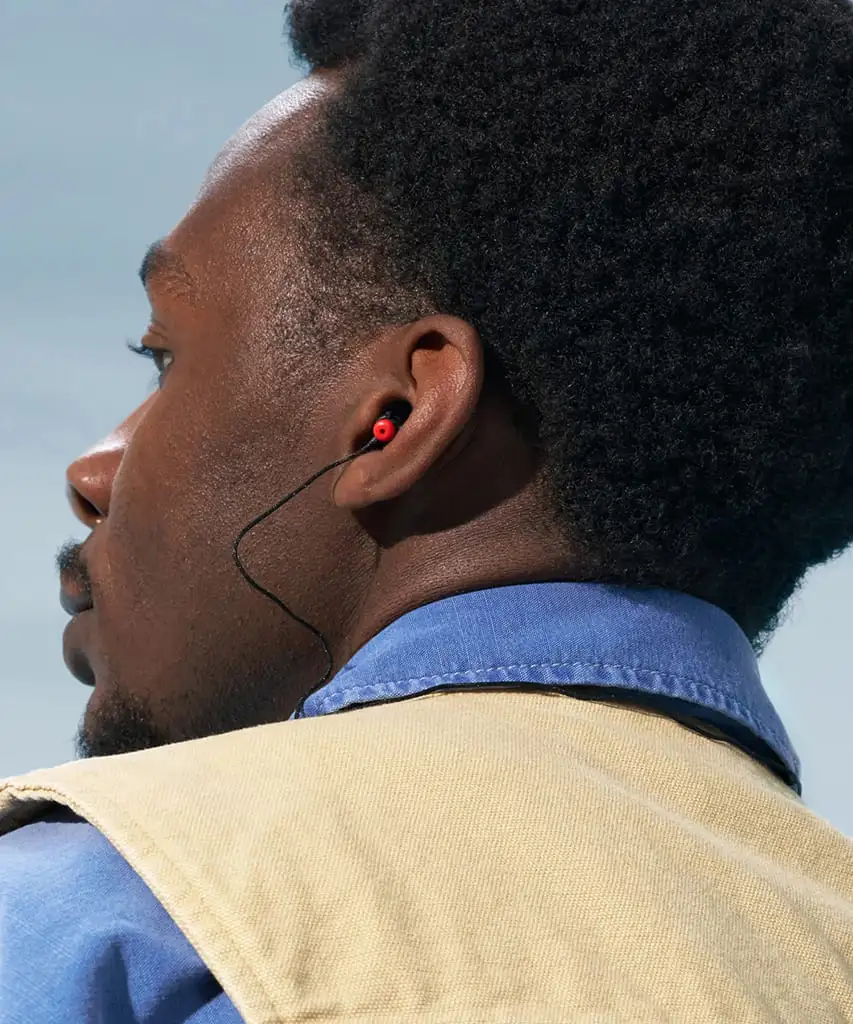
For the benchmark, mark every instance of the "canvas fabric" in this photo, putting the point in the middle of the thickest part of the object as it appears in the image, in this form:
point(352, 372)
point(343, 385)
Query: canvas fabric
point(489, 856)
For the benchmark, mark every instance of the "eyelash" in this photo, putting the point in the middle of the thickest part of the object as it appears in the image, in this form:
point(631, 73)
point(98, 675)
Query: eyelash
point(154, 354)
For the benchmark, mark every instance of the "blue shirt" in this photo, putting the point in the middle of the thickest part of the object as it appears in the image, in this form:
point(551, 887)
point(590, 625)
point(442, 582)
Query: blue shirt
point(82, 938)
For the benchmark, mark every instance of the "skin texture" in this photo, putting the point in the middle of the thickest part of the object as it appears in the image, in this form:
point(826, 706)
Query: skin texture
point(176, 644)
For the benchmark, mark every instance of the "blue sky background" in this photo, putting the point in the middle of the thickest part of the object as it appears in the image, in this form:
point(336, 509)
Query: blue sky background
point(110, 113)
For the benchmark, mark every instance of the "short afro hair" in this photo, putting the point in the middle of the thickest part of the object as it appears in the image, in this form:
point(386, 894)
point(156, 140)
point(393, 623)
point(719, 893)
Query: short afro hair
point(646, 210)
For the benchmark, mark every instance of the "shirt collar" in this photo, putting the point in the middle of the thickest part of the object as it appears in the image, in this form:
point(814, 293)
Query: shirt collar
point(651, 640)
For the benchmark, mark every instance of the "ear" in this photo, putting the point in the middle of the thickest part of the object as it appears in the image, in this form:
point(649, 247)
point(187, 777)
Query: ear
point(434, 364)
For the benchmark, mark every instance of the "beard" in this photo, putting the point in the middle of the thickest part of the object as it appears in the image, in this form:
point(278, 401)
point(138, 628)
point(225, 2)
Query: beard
point(121, 722)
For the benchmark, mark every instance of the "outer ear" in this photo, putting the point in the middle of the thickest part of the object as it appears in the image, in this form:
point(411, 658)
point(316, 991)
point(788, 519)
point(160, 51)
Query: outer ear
point(438, 364)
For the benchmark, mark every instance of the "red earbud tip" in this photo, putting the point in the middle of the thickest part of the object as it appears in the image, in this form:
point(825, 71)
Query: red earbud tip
point(384, 430)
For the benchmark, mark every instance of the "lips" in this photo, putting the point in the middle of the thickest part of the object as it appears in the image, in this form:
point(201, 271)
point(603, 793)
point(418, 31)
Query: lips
point(75, 641)
point(74, 656)
point(75, 596)
point(75, 600)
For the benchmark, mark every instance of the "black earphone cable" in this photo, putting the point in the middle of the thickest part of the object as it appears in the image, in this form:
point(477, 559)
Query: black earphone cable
point(372, 445)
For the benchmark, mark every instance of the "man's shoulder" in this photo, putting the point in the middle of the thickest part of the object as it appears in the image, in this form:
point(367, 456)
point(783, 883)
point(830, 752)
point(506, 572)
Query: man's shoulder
point(59, 858)
point(64, 885)
point(71, 904)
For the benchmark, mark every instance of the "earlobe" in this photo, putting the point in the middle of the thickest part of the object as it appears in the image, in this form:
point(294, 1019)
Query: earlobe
point(353, 489)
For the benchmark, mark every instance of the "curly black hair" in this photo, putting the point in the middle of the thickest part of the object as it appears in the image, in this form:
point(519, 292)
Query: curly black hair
point(646, 209)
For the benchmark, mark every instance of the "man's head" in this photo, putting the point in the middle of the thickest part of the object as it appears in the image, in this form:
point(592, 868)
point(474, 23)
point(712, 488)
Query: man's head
point(256, 394)
point(605, 257)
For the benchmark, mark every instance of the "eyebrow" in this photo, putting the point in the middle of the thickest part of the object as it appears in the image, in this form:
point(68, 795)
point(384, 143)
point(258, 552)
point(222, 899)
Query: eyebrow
point(162, 262)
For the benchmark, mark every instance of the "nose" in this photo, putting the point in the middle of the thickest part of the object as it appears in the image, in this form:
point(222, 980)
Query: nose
point(90, 478)
point(90, 481)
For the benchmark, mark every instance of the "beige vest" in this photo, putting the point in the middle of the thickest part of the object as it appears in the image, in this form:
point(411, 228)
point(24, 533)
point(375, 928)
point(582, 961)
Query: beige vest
point(466, 857)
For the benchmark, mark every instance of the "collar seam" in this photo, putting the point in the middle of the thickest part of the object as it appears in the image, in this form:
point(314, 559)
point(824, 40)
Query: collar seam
point(725, 698)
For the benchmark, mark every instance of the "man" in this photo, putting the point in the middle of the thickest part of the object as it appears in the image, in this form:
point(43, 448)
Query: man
point(469, 727)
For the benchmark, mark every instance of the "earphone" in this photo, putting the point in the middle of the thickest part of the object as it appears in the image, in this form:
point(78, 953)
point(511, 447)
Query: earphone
point(386, 427)
point(384, 431)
